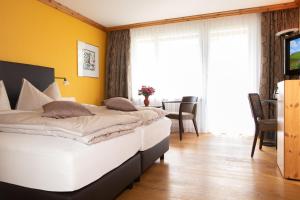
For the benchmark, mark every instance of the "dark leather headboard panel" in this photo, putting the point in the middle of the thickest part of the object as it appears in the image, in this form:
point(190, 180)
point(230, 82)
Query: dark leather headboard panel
point(13, 73)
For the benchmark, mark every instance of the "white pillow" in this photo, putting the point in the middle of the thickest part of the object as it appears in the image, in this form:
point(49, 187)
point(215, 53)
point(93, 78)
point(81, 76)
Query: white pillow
point(4, 101)
point(73, 99)
point(31, 98)
point(53, 91)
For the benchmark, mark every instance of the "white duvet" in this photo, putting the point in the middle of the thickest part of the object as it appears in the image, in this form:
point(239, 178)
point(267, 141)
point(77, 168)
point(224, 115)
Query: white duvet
point(105, 124)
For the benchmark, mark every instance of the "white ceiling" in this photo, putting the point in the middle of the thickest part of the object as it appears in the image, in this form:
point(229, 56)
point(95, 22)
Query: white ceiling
point(121, 12)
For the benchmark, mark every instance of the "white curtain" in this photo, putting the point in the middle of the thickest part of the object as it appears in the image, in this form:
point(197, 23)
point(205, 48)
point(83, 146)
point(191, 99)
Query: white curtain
point(217, 60)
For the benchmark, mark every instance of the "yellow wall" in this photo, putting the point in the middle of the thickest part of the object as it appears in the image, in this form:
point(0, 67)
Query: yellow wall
point(34, 33)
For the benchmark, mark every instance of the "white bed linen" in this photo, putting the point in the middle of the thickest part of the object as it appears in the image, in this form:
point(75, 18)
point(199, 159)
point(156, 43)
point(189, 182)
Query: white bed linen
point(154, 133)
point(58, 164)
point(85, 129)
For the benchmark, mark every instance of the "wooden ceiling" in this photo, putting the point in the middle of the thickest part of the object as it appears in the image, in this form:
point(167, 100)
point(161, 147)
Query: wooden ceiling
point(260, 9)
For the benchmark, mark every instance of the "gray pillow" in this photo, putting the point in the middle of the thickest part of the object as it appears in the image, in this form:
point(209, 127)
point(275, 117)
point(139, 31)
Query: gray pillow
point(64, 109)
point(120, 103)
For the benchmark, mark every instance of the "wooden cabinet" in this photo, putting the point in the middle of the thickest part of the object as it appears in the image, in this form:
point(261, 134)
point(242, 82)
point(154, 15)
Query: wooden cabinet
point(288, 134)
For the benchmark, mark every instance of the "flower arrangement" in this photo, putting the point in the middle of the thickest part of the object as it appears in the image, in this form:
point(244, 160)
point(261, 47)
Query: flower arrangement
point(146, 91)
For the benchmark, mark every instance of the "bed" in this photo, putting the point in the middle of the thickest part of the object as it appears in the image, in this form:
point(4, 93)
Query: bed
point(64, 169)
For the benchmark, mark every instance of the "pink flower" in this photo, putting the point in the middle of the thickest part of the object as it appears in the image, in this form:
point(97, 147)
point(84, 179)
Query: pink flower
point(146, 90)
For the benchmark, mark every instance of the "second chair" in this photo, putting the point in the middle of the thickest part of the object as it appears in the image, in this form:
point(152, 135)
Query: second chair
point(187, 111)
point(262, 124)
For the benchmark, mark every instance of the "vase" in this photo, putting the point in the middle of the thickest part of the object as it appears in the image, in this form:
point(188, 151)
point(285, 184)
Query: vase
point(146, 101)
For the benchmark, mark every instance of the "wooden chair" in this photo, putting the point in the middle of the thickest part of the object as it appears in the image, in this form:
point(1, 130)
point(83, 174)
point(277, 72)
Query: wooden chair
point(262, 124)
point(187, 111)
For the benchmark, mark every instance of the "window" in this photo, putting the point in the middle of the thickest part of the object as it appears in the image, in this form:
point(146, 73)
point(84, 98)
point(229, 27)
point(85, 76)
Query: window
point(217, 60)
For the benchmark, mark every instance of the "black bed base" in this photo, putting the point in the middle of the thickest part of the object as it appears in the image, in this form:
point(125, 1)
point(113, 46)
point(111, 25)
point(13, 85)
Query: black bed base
point(149, 156)
point(107, 187)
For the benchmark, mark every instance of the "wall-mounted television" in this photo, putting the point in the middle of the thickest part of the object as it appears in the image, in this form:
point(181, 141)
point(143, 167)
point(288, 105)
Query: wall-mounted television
point(292, 55)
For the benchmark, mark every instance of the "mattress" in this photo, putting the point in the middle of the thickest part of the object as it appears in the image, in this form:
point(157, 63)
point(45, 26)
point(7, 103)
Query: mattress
point(59, 164)
point(154, 133)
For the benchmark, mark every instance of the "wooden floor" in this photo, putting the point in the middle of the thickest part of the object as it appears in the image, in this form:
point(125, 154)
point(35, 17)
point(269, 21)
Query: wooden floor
point(214, 167)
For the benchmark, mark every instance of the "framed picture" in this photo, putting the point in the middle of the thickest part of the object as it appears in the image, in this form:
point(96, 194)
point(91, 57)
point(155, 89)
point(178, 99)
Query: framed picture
point(88, 60)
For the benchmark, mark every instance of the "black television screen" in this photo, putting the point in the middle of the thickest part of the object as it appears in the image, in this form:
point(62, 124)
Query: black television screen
point(292, 55)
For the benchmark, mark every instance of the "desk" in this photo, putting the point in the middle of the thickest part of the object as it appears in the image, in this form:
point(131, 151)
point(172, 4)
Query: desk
point(273, 101)
point(153, 106)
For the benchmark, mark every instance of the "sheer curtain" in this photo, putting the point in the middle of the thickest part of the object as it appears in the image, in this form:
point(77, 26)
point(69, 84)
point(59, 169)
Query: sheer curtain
point(216, 60)
point(233, 71)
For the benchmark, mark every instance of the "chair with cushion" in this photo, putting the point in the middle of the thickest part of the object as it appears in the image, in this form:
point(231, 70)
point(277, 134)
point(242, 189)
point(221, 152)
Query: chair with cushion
point(187, 111)
point(262, 124)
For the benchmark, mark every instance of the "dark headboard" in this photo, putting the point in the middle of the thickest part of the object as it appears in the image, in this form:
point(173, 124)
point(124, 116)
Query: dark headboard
point(13, 73)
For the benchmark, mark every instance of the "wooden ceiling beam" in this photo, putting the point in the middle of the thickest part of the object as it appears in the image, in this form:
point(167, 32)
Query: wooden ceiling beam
point(68, 11)
point(209, 15)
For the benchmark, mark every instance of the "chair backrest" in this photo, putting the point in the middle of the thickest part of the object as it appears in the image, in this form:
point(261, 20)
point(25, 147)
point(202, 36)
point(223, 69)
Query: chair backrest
point(256, 107)
point(189, 104)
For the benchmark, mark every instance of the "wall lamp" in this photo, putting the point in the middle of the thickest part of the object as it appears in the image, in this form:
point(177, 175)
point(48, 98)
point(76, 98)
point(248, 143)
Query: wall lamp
point(66, 82)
